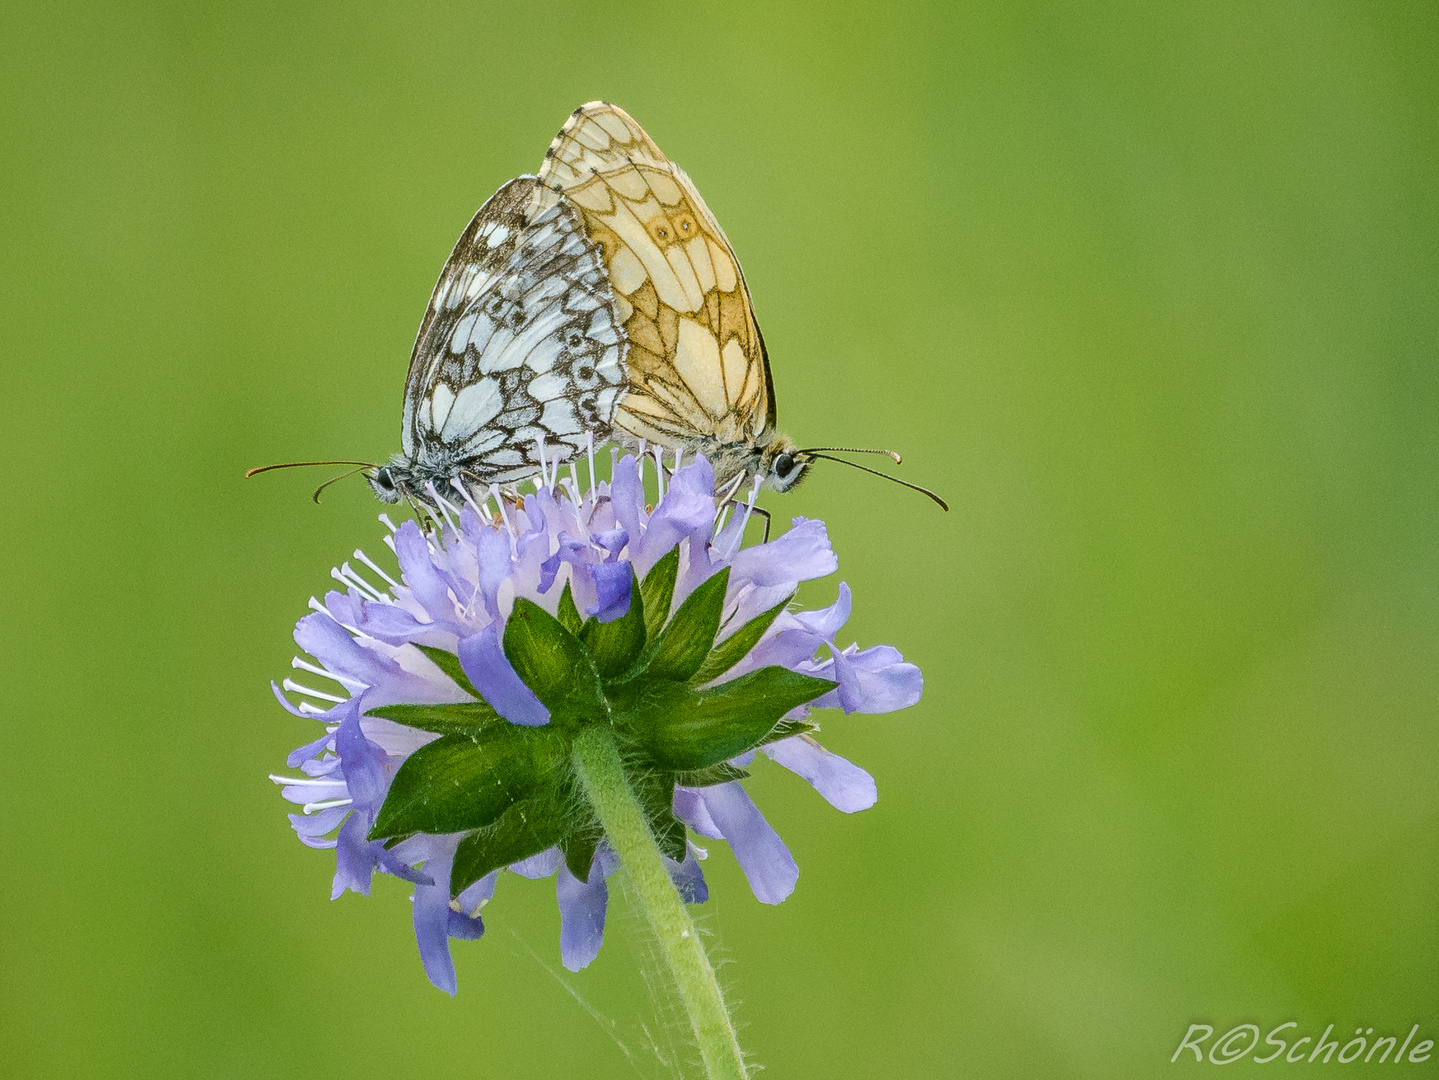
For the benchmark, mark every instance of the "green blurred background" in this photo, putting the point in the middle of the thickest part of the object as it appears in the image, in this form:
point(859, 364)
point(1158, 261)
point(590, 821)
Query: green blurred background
point(1149, 292)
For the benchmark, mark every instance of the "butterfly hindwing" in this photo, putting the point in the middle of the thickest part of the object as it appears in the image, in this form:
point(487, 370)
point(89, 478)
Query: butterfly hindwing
point(697, 363)
point(522, 339)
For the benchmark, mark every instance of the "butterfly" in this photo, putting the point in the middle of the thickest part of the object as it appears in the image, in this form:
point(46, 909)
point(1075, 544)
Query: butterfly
point(598, 300)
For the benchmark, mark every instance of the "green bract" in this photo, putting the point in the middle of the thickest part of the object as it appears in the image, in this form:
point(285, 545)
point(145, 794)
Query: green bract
point(513, 788)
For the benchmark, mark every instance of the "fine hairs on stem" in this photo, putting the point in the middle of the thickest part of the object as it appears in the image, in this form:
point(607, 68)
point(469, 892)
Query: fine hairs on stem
point(602, 777)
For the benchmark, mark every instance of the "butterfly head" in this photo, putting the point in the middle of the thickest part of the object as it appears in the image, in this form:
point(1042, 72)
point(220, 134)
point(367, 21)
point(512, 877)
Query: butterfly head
point(386, 484)
point(784, 465)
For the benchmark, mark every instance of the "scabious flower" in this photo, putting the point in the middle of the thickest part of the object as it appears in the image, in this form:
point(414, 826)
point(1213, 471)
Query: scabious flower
point(445, 754)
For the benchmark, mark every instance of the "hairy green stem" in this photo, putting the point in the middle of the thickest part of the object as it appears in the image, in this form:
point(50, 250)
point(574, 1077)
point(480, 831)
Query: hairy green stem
point(597, 761)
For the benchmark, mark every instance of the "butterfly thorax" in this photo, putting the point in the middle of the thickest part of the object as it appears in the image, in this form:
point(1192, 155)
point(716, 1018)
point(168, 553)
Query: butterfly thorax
point(402, 478)
point(736, 462)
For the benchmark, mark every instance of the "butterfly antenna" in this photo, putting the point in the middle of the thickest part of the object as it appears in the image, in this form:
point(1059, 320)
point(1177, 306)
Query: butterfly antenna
point(902, 483)
point(343, 475)
point(306, 464)
point(853, 450)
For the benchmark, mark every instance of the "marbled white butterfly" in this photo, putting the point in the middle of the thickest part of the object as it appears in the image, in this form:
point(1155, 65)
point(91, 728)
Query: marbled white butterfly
point(598, 301)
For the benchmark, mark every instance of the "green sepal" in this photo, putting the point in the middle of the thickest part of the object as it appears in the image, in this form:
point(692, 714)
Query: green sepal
point(682, 729)
point(655, 792)
point(578, 848)
point(467, 718)
point(787, 729)
point(615, 646)
point(461, 782)
point(449, 663)
point(736, 647)
point(658, 591)
point(722, 773)
point(568, 614)
point(687, 640)
point(553, 663)
point(525, 829)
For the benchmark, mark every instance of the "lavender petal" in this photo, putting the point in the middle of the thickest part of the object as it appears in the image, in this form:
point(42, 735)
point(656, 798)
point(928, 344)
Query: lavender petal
point(844, 785)
point(582, 916)
point(761, 854)
point(465, 927)
point(876, 680)
point(354, 860)
point(475, 896)
point(362, 762)
point(537, 866)
point(800, 554)
point(612, 584)
point(689, 879)
point(487, 667)
point(421, 576)
point(432, 913)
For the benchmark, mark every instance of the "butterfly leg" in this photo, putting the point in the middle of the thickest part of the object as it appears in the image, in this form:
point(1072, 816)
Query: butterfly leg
point(422, 512)
point(764, 514)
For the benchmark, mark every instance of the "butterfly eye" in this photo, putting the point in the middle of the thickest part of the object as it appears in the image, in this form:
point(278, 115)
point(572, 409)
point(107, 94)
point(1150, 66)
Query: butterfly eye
point(384, 478)
point(783, 466)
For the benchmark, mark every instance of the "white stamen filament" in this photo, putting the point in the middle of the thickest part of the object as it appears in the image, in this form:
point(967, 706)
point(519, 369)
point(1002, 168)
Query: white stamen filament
point(590, 450)
point(311, 710)
point(304, 781)
point(441, 504)
point(679, 457)
point(311, 807)
point(380, 594)
point(323, 610)
point(387, 523)
point(460, 486)
point(572, 485)
point(296, 688)
point(748, 510)
point(345, 576)
point(659, 453)
point(370, 563)
point(540, 443)
point(446, 504)
point(313, 669)
point(723, 517)
point(500, 502)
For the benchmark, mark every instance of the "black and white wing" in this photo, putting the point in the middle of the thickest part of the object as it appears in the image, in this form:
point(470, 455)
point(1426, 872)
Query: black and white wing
point(521, 340)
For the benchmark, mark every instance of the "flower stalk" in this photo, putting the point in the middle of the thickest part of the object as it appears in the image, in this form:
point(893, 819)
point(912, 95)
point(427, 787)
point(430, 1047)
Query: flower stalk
point(601, 774)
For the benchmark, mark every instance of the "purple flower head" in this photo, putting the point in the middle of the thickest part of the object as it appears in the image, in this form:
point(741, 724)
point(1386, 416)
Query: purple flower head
point(454, 691)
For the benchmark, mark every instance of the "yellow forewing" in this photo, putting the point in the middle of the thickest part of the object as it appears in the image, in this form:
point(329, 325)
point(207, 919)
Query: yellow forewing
point(697, 364)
